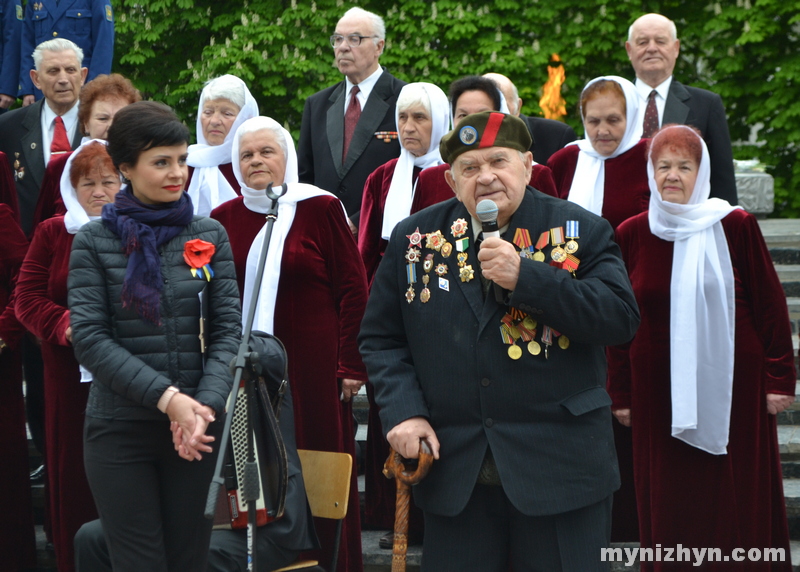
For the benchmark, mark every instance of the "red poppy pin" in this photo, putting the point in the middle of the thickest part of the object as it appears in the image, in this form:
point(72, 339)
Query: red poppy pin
point(197, 254)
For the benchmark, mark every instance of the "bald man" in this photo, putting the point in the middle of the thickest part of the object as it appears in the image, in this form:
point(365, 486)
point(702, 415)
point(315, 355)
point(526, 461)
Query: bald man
point(653, 49)
point(548, 135)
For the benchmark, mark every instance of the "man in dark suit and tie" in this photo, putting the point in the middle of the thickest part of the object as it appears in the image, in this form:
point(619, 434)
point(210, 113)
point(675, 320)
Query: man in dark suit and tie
point(509, 394)
point(348, 130)
point(31, 135)
point(653, 48)
point(548, 135)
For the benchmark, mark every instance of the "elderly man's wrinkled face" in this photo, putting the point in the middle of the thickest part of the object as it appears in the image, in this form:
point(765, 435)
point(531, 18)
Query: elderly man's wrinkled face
point(261, 159)
point(358, 62)
point(497, 173)
point(652, 49)
point(60, 78)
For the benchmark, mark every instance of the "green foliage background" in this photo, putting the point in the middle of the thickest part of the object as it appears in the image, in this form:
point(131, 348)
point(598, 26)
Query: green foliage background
point(748, 51)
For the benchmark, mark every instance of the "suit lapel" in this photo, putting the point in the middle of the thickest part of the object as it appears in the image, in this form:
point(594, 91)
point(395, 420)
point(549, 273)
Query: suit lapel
point(335, 126)
point(371, 117)
point(31, 142)
point(675, 108)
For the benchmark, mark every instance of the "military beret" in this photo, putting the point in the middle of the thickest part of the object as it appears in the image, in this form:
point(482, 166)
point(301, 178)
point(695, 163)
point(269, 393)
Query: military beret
point(485, 129)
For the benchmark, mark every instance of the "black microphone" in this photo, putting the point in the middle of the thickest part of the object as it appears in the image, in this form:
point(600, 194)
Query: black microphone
point(486, 212)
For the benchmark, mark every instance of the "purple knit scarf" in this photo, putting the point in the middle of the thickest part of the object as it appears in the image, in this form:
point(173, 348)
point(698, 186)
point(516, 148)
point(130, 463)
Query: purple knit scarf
point(142, 228)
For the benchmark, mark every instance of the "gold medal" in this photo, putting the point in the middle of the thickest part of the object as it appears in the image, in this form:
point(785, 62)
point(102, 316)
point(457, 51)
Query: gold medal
point(462, 258)
point(466, 273)
point(447, 249)
point(538, 256)
point(514, 352)
point(410, 293)
point(571, 247)
point(529, 323)
point(573, 232)
point(425, 295)
point(563, 342)
point(558, 254)
point(534, 348)
point(441, 269)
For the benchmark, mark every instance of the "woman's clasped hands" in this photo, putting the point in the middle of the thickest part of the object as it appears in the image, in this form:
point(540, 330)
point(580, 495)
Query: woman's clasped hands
point(189, 420)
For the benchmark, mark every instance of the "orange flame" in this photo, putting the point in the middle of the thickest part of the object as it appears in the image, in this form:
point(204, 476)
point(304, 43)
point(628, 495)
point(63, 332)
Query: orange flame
point(553, 105)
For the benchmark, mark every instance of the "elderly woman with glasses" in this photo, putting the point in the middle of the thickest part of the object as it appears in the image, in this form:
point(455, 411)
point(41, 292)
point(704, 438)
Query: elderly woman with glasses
point(711, 366)
point(312, 297)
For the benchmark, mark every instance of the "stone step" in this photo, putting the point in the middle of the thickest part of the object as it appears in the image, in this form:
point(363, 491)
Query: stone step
point(784, 255)
point(781, 233)
point(789, 275)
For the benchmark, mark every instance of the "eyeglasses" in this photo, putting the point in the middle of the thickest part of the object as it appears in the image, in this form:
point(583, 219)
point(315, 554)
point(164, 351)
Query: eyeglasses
point(353, 40)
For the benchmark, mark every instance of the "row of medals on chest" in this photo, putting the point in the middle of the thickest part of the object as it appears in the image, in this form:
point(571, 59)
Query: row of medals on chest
point(516, 324)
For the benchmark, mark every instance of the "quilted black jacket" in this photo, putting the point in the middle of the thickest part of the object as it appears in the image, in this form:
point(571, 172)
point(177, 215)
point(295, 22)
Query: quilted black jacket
point(133, 361)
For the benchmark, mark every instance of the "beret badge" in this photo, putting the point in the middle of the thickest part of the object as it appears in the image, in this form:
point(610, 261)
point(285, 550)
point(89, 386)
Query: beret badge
point(468, 135)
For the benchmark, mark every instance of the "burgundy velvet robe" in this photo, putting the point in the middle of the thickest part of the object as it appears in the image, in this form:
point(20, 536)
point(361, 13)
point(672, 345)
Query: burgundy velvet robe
point(17, 541)
point(41, 306)
point(627, 194)
point(687, 496)
point(626, 190)
point(50, 203)
point(321, 298)
point(8, 189)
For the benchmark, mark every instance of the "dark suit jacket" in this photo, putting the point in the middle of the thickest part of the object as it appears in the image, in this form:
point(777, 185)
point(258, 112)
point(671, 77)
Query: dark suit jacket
point(21, 140)
point(703, 109)
point(547, 421)
point(548, 135)
point(319, 151)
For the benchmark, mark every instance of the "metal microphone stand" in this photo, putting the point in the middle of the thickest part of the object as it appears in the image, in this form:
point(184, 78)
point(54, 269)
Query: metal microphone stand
point(251, 487)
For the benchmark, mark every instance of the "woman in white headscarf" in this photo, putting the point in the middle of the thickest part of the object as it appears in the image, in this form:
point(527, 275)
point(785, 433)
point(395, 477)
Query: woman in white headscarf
point(312, 297)
point(710, 367)
point(88, 182)
point(225, 103)
point(422, 115)
point(605, 172)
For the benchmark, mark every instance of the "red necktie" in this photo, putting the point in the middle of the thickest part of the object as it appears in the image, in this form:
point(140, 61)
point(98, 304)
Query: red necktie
point(650, 124)
point(60, 144)
point(350, 120)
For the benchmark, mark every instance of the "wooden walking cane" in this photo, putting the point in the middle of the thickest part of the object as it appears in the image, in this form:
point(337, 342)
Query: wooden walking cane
point(397, 468)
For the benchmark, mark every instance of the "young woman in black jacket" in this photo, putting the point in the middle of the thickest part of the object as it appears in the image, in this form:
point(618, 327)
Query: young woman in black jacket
point(155, 317)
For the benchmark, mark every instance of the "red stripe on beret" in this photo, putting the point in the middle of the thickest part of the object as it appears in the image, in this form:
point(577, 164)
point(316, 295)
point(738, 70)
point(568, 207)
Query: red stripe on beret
point(491, 130)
